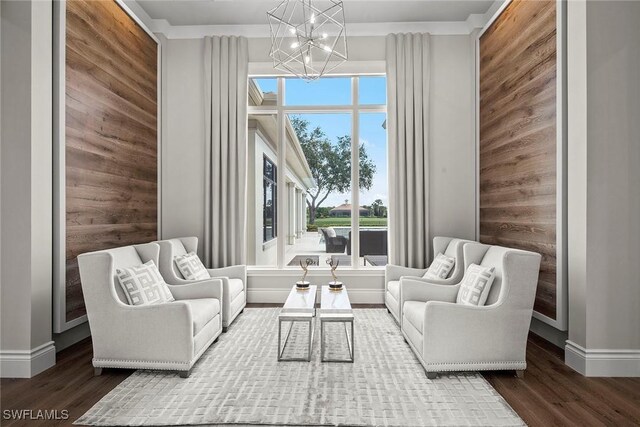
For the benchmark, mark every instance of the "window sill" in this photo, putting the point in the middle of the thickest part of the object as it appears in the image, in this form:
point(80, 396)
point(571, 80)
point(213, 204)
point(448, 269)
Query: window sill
point(266, 271)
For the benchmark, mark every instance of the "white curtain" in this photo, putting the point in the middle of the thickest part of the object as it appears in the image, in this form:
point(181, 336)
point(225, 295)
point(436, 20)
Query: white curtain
point(408, 65)
point(226, 71)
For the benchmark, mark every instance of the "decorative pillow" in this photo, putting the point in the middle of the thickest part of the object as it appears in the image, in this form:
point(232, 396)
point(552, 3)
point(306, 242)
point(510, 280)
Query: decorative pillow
point(440, 267)
point(331, 232)
point(191, 267)
point(475, 285)
point(143, 284)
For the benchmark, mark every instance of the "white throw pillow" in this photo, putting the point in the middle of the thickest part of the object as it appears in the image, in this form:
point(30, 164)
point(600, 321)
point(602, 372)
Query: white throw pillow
point(440, 267)
point(330, 232)
point(475, 285)
point(191, 267)
point(143, 284)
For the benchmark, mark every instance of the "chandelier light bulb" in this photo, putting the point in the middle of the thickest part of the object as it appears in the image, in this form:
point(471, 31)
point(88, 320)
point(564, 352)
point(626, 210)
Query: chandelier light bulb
point(292, 30)
point(313, 18)
point(327, 48)
point(294, 45)
point(307, 59)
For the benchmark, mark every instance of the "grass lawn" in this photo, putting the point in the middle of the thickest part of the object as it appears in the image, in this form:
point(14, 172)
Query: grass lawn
point(346, 222)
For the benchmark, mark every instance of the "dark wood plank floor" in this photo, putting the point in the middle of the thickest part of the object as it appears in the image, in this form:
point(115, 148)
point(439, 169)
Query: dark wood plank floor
point(549, 394)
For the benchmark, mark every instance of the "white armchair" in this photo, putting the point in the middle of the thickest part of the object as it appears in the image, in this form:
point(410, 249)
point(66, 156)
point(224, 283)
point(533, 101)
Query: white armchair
point(234, 278)
point(446, 336)
point(168, 336)
point(446, 245)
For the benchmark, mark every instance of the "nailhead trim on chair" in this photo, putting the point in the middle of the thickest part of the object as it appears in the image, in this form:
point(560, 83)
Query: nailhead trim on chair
point(130, 364)
point(475, 363)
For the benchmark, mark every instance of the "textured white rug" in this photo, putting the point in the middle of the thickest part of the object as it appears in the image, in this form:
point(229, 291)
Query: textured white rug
point(239, 381)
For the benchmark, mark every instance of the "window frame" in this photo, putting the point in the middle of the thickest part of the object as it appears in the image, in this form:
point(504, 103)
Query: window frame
point(282, 111)
point(274, 216)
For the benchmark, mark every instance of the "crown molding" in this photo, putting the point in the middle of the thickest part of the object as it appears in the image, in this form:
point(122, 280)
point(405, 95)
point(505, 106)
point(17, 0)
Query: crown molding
point(466, 27)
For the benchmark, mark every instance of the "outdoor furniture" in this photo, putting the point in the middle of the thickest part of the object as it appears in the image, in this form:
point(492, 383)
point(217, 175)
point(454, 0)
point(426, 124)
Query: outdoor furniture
point(344, 260)
point(448, 336)
point(167, 336)
point(299, 307)
point(295, 261)
point(234, 278)
point(336, 307)
point(372, 242)
point(334, 244)
point(376, 260)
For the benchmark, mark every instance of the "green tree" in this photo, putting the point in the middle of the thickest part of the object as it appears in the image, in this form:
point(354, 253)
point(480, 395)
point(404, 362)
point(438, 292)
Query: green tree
point(376, 207)
point(330, 164)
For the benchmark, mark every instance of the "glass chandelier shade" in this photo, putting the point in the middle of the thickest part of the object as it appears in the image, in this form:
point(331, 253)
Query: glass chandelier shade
point(308, 39)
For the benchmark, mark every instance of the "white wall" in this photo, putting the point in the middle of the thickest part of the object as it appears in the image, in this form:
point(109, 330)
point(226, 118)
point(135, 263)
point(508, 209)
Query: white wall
point(604, 184)
point(452, 148)
point(26, 219)
point(183, 162)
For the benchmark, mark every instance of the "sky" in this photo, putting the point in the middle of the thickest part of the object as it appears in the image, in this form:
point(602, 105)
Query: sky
point(337, 91)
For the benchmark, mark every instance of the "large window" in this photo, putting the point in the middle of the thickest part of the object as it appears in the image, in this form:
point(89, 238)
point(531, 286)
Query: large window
point(269, 200)
point(324, 146)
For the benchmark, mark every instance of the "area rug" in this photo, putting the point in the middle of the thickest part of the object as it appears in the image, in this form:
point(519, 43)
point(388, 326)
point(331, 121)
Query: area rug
point(239, 381)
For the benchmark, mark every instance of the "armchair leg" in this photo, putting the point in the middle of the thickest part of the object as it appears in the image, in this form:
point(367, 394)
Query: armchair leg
point(432, 375)
point(185, 374)
point(97, 372)
point(520, 374)
point(225, 329)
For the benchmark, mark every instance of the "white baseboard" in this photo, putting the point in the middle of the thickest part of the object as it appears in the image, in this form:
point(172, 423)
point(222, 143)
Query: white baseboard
point(279, 295)
point(602, 362)
point(27, 363)
point(548, 332)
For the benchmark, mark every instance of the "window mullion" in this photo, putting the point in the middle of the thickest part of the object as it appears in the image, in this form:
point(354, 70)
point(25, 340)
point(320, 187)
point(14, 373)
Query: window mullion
point(355, 174)
point(281, 196)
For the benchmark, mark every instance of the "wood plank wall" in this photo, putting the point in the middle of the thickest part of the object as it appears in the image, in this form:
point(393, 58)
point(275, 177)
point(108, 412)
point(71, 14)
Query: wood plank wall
point(111, 130)
point(518, 137)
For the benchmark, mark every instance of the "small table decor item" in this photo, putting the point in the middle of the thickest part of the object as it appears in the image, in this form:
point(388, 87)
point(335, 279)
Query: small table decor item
point(303, 284)
point(335, 284)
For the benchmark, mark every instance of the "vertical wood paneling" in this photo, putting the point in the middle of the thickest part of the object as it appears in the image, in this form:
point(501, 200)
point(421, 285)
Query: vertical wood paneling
point(111, 135)
point(518, 142)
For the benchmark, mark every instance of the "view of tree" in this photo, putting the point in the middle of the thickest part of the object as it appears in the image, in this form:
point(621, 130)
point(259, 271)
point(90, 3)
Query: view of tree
point(330, 164)
point(376, 207)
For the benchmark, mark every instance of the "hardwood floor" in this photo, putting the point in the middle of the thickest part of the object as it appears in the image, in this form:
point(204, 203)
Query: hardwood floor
point(549, 394)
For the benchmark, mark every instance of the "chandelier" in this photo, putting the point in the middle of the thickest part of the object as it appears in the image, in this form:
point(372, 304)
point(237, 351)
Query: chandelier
point(308, 40)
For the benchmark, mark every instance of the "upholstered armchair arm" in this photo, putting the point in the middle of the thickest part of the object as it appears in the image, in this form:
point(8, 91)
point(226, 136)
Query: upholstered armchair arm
point(495, 333)
point(208, 288)
point(418, 290)
point(395, 272)
point(145, 333)
point(233, 272)
point(448, 282)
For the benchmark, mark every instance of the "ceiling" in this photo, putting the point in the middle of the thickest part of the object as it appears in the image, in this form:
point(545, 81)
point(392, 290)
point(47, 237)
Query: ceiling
point(251, 12)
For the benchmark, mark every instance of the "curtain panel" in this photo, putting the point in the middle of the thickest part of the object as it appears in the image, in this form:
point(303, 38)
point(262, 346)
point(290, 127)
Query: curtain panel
point(408, 75)
point(226, 62)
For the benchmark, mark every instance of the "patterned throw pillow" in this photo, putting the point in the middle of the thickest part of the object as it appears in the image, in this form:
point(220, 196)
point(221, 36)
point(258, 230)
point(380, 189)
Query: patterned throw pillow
point(475, 285)
point(191, 267)
point(143, 284)
point(440, 267)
